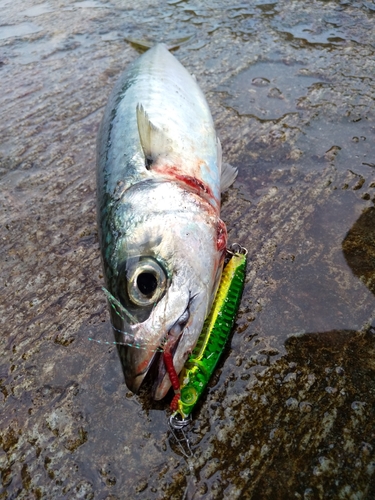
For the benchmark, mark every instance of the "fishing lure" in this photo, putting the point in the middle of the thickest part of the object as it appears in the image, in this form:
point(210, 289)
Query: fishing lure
point(201, 364)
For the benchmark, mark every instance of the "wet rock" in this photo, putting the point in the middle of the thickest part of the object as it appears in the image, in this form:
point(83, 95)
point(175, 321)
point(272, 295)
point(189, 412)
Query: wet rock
point(289, 412)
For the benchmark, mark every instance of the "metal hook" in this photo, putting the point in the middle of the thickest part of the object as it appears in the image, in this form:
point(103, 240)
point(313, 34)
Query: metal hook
point(177, 428)
point(237, 248)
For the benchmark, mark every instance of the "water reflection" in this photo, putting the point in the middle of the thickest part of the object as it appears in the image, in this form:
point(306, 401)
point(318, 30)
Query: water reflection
point(38, 10)
point(18, 30)
point(269, 90)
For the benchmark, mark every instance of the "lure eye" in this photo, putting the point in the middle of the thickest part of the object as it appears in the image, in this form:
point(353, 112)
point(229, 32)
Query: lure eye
point(146, 282)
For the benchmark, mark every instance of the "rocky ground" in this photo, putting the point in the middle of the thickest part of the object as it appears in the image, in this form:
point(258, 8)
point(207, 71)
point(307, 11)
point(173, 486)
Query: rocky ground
point(289, 413)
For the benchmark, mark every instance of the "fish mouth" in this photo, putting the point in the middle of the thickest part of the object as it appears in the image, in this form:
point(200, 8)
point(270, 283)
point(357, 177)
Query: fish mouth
point(144, 364)
point(158, 389)
point(162, 383)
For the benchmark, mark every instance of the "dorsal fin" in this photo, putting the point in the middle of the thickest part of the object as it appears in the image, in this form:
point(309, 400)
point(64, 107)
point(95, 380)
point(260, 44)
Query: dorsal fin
point(153, 140)
point(228, 173)
point(144, 45)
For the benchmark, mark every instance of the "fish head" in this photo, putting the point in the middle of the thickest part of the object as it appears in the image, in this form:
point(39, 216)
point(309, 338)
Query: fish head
point(168, 267)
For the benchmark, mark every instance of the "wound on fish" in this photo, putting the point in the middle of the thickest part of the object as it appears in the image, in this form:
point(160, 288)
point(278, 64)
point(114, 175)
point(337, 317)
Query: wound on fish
point(192, 184)
point(195, 184)
point(221, 235)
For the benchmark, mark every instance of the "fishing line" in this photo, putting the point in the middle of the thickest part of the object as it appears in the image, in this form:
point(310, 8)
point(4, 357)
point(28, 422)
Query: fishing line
point(136, 346)
point(116, 304)
point(127, 344)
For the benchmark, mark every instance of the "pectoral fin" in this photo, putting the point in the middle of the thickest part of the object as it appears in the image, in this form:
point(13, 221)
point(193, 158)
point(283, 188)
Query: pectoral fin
point(228, 173)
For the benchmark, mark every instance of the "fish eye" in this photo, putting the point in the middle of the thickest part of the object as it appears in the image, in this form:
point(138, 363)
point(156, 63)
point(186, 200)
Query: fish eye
point(146, 282)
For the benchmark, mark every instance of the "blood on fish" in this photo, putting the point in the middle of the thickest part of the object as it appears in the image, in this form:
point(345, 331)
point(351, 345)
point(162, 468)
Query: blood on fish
point(193, 183)
point(221, 236)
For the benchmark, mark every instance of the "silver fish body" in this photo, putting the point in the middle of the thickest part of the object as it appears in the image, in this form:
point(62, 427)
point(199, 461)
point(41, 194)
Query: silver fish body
point(161, 236)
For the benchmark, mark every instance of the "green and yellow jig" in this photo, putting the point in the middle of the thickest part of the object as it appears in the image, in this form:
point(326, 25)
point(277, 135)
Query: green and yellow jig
point(201, 364)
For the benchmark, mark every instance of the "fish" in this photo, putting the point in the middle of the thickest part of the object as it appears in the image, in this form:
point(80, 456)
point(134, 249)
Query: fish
point(159, 181)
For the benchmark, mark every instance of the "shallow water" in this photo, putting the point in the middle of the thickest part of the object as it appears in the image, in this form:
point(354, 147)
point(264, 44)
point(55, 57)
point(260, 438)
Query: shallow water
point(290, 411)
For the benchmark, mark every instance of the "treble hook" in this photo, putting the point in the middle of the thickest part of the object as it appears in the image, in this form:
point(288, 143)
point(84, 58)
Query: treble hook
point(177, 427)
point(237, 248)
